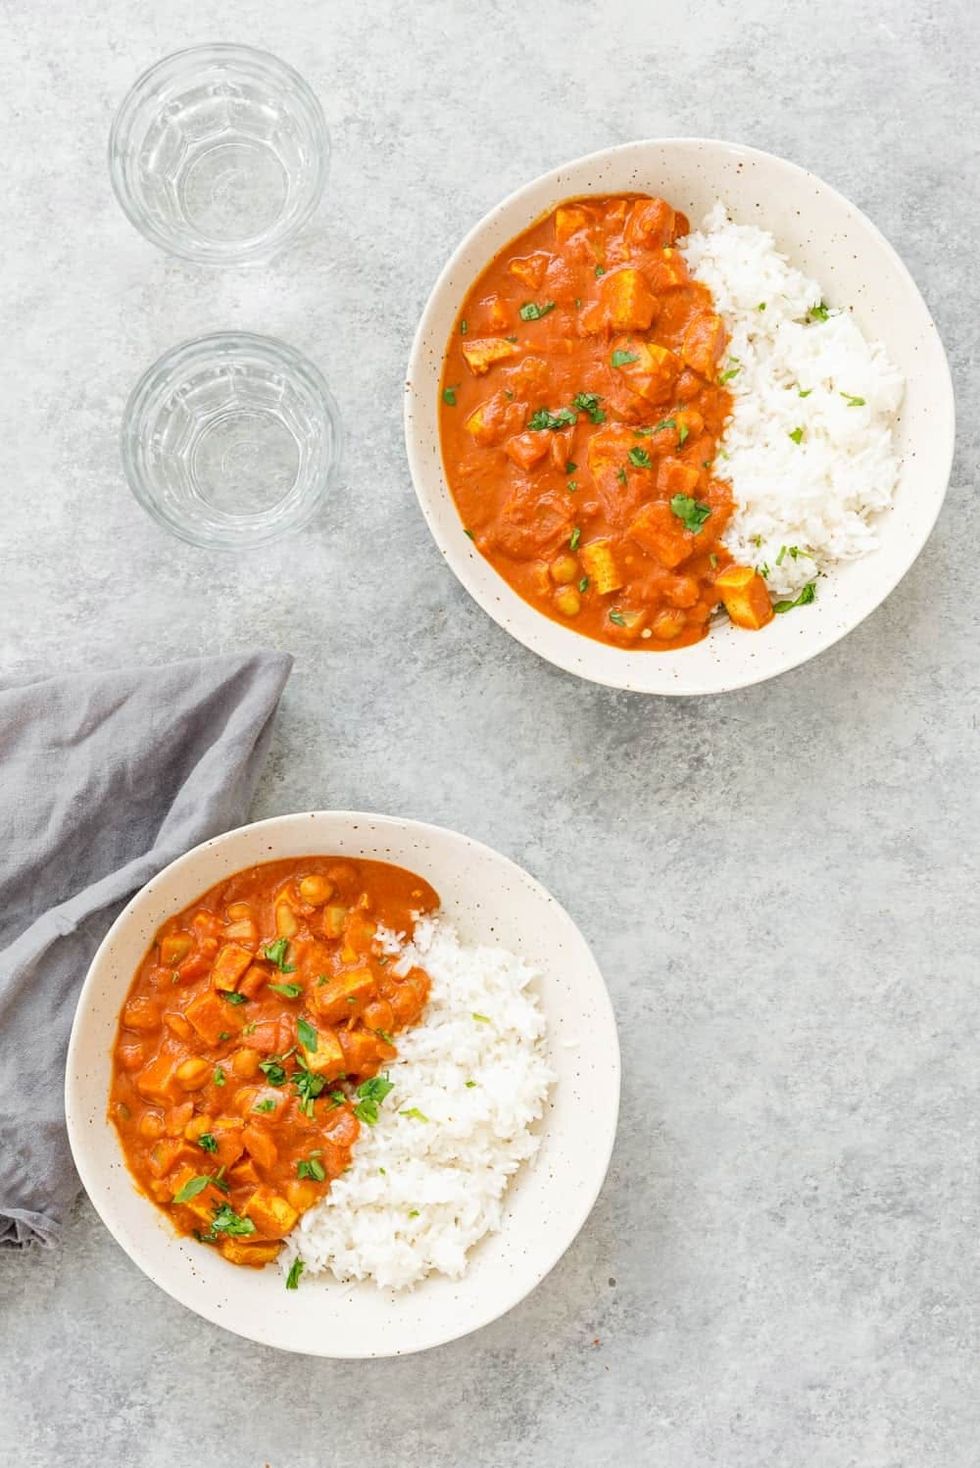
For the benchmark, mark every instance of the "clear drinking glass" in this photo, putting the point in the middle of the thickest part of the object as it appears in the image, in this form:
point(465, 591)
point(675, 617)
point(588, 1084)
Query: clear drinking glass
point(219, 154)
point(231, 440)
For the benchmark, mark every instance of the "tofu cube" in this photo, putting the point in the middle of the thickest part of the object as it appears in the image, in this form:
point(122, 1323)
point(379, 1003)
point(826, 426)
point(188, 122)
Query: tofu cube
point(343, 995)
point(230, 964)
point(328, 1058)
point(483, 352)
point(272, 1214)
point(676, 477)
point(530, 268)
point(244, 1251)
point(746, 597)
point(627, 299)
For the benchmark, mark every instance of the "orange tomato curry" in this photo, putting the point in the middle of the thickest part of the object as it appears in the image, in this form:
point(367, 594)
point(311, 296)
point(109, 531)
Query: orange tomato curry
point(249, 1042)
point(582, 402)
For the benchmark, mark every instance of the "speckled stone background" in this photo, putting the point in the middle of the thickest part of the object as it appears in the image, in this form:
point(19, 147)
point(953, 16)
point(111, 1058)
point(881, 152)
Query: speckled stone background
point(780, 884)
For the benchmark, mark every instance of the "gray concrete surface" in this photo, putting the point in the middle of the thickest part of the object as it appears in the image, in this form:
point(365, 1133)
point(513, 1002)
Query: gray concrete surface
point(780, 884)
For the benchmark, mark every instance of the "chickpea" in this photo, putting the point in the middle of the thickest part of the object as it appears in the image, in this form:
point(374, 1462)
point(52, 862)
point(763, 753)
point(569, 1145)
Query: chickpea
point(150, 1125)
point(667, 625)
point(683, 591)
point(315, 890)
point(568, 601)
point(192, 1073)
point(245, 1063)
point(564, 569)
point(239, 912)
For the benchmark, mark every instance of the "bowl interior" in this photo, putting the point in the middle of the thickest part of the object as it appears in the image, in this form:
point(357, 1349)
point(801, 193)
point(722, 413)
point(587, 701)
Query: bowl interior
point(492, 901)
point(823, 235)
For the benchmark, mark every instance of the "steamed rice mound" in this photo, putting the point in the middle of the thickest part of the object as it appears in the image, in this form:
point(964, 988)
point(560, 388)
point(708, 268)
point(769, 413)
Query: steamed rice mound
point(428, 1180)
point(808, 449)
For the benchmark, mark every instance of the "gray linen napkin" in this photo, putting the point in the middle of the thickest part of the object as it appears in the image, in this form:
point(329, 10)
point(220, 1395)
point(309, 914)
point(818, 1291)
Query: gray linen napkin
point(104, 779)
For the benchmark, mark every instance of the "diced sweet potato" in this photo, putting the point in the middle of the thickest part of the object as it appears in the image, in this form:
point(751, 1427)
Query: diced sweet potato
point(651, 224)
point(271, 1213)
point(362, 1052)
point(600, 566)
point(344, 995)
point(230, 964)
point(657, 529)
point(210, 1015)
point(676, 477)
point(484, 351)
point(229, 1133)
point(626, 299)
point(253, 1253)
point(527, 448)
point(746, 596)
point(156, 1082)
point(177, 1118)
point(260, 1145)
point(530, 268)
point(704, 342)
point(328, 1057)
point(334, 917)
point(255, 976)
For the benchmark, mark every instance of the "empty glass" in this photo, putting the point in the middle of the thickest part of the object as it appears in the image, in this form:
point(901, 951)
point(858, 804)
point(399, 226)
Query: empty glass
point(231, 440)
point(219, 154)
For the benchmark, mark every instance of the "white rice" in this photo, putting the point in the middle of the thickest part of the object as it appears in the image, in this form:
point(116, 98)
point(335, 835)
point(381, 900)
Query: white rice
point(420, 1193)
point(800, 506)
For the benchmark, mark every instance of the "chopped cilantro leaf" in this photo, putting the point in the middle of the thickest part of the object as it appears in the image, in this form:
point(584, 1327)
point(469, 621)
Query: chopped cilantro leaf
point(295, 1270)
point(588, 402)
point(191, 1188)
point(806, 596)
point(640, 459)
point(543, 418)
point(449, 396)
point(691, 512)
point(530, 311)
point(288, 991)
point(276, 953)
point(623, 359)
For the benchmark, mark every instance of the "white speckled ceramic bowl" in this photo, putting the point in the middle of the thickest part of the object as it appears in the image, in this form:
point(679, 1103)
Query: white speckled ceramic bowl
point(491, 901)
point(823, 235)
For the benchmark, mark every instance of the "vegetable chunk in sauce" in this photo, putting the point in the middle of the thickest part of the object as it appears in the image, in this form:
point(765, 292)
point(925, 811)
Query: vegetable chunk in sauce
point(249, 1047)
point(582, 403)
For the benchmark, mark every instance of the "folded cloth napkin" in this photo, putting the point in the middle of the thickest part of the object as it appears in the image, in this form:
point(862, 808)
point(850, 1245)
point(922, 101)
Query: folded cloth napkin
point(105, 778)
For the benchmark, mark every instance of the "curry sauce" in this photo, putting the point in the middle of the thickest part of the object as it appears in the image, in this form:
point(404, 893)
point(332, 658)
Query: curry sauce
point(250, 1043)
point(583, 398)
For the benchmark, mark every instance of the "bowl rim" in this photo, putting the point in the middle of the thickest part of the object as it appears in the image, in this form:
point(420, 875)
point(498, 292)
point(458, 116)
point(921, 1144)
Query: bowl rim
point(74, 1083)
point(523, 627)
point(132, 446)
point(250, 251)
